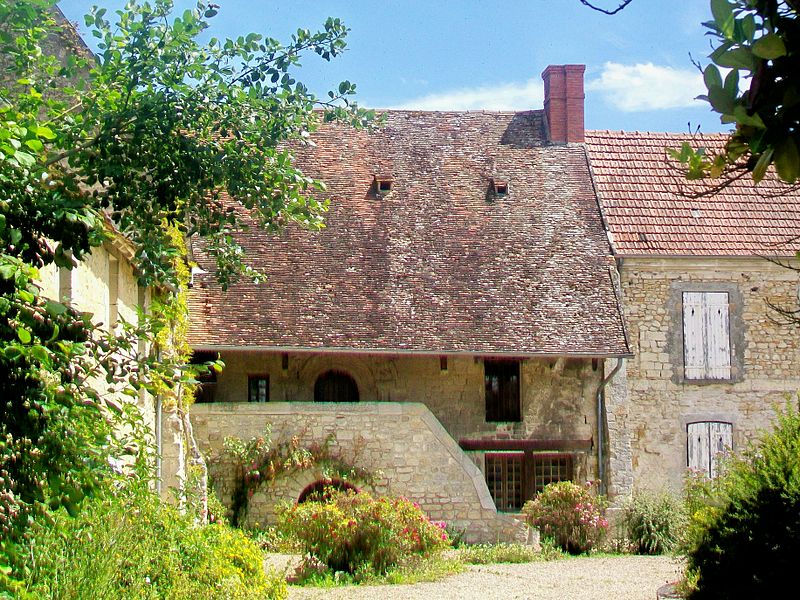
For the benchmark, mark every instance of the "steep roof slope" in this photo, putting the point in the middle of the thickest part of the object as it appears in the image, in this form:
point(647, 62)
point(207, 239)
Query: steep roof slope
point(649, 209)
point(436, 265)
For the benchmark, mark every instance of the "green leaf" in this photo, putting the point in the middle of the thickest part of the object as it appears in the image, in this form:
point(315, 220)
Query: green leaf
point(34, 145)
point(712, 77)
point(787, 161)
point(25, 158)
point(45, 132)
point(24, 335)
point(769, 47)
point(723, 16)
point(40, 353)
point(738, 58)
point(54, 308)
point(761, 166)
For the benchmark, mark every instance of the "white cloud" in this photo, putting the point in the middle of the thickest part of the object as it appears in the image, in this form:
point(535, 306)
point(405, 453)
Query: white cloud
point(507, 96)
point(646, 86)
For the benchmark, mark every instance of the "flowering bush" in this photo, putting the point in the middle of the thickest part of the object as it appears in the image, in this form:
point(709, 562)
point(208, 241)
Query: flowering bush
point(354, 532)
point(570, 514)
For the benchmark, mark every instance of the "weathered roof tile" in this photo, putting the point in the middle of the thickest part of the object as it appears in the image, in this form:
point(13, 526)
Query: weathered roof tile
point(436, 265)
point(649, 208)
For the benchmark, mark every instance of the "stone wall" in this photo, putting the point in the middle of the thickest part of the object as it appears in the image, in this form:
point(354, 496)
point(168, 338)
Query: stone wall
point(557, 395)
point(403, 442)
point(660, 402)
point(89, 288)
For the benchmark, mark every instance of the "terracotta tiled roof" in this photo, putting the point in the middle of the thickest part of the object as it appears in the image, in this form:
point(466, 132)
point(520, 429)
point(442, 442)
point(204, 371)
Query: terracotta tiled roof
point(646, 203)
point(434, 266)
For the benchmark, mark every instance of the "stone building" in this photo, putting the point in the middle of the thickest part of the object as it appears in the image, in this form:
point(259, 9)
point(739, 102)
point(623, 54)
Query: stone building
point(454, 319)
point(704, 279)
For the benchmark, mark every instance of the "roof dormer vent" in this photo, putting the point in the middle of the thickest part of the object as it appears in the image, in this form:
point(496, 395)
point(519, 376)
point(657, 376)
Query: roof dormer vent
point(498, 188)
point(382, 185)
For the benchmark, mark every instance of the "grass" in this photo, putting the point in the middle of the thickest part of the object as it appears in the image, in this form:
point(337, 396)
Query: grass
point(431, 568)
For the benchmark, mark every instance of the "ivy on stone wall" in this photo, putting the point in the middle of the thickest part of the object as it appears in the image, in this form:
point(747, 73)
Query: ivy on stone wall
point(261, 460)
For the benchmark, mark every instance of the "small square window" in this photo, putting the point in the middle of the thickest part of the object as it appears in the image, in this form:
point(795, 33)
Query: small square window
point(382, 185)
point(498, 188)
point(258, 388)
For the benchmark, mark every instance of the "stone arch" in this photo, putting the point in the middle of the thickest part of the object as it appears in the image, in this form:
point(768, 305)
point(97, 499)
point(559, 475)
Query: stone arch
point(321, 489)
point(361, 370)
point(336, 386)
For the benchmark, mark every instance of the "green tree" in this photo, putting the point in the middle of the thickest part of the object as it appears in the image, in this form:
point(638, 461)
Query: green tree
point(757, 42)
point(154, 135)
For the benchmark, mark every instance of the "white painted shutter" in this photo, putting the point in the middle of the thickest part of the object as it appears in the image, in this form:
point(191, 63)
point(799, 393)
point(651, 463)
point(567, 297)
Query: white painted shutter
point(707, 443)
point(718, 348)
point(720, 437)
point(698, 450)
point(693, 336)
point(706, 338)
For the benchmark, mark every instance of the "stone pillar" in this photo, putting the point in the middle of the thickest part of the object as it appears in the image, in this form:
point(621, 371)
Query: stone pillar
point(619, 463)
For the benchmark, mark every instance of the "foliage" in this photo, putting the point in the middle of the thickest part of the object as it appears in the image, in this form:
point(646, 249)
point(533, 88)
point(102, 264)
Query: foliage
point(484, 554)
point(134, 546)
point(748, 545)
point(158, 138)
point(757, 40)
point(261, 460)
point(359, 534)
point(569, 513)
point(654, 523)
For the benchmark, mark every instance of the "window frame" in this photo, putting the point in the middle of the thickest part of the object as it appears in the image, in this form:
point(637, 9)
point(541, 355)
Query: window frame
point(711, 468)
point(501, 411)
point(675, 330)
point(255, 378)
point(530, 483)
point(710, 333)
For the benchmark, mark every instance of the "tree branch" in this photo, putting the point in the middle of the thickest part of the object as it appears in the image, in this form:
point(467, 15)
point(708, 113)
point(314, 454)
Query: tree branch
point(606, 11)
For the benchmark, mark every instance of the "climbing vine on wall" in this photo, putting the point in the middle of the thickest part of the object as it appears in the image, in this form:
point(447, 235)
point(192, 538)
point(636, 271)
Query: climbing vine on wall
point(261, 460)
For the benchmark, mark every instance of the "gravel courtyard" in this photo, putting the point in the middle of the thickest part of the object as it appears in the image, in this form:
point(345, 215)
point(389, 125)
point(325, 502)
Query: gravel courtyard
point(607, 578)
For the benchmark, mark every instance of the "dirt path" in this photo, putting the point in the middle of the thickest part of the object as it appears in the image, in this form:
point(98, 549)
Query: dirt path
point(606, 578)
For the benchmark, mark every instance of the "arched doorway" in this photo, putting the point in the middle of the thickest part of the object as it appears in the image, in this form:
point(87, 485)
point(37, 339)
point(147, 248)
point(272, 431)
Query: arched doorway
point(335, 386)
point(321, 490)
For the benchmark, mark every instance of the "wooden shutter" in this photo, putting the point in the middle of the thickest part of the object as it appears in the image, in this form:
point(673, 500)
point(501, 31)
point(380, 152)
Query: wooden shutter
point(720, 440)
point(706, 339)
point(707, 442)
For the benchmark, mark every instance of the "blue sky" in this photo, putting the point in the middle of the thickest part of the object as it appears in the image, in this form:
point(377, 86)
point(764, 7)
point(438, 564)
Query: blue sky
point(472, 55)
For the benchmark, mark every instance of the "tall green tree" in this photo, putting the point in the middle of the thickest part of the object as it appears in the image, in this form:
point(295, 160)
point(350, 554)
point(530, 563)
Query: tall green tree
point(158, 133)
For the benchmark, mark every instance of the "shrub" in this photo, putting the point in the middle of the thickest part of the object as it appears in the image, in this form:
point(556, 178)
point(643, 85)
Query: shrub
point(354, 532)
point(483, 554)
point(137, 547)
point(653, 523)
point(749, 544)
point(570, 514)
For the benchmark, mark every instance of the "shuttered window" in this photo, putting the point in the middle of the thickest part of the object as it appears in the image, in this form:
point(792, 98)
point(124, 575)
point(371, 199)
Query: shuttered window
point(706, 339)
point(502, 391)
point(707, 442)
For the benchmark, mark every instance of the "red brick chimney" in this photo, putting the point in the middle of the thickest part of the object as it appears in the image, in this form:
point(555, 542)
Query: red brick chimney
point(563, 102)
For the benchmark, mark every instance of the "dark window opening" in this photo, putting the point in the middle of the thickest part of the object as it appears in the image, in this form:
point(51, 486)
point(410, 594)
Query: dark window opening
point(443, 364)
point(321, 491)
point(502, 391)
point(207, 389)
point(382, 185)
point(258, 388)
point(335, 386)
point(499, 188)
point(514, 478)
